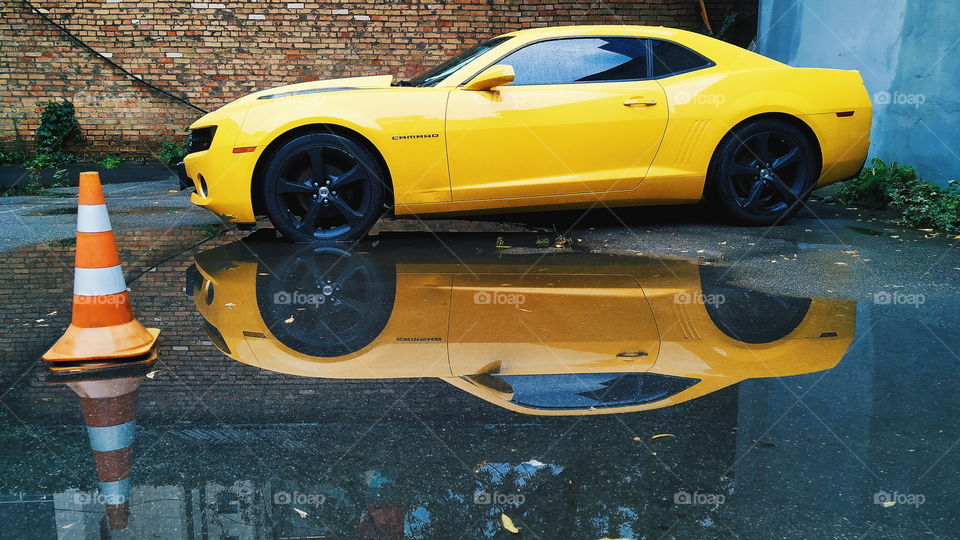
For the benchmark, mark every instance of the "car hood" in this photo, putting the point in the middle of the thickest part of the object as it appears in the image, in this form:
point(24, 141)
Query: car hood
point(239, 106)
point(374, 81)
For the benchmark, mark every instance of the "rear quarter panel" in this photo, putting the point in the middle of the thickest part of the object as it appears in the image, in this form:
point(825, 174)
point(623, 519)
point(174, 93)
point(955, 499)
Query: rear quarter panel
point(705, 105)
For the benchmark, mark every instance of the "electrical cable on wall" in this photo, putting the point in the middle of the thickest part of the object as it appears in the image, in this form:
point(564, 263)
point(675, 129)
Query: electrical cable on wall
point(111, 62)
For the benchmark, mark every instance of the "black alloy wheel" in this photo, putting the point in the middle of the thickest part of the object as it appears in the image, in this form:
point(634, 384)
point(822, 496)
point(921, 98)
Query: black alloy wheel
point(763, 172)
point(323, 187)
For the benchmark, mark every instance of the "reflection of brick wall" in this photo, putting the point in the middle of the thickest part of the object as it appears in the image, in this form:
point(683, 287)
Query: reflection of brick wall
point(194, 380)
point(37, 281)
point(213, 52)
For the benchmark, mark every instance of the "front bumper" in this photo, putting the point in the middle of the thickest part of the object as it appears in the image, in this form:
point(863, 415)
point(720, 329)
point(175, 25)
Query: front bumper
point(185, 181)
point(223, 182)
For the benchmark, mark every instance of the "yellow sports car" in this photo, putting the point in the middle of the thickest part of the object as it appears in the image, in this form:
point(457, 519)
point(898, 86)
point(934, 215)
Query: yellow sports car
point(563, 334)
point(548, 118)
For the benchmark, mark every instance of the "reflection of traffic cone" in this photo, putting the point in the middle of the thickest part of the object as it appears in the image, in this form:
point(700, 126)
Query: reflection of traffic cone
point(103, 326)
point(109, 411)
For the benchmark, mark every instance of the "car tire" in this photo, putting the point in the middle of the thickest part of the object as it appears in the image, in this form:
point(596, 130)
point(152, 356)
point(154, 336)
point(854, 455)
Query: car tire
point(323, 187)
point(326, 301)
point(762, 172)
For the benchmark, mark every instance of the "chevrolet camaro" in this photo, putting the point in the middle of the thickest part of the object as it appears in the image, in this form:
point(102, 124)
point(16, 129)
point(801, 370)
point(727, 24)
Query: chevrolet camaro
point(560, 334)
point(548, 118)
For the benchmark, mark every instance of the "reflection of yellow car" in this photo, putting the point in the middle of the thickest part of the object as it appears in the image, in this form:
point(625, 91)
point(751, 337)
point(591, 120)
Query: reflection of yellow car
point(571, 334)
point(531, 120)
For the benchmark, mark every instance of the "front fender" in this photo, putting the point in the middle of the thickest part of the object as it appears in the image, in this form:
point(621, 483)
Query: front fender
point(385, 117)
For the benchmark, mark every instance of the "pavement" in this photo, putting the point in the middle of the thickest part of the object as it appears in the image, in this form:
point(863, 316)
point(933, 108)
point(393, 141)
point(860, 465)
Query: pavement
point(235, 435)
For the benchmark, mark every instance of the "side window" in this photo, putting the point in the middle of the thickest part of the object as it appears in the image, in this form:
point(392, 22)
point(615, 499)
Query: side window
point(670, 58)
point(591, 59)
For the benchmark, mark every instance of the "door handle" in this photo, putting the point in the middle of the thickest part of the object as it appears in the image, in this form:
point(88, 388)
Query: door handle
point(629, 356)
point(641, 101)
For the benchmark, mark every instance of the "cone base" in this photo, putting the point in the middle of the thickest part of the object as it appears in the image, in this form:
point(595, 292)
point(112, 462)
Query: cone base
point(111, 342)
point(65, 372)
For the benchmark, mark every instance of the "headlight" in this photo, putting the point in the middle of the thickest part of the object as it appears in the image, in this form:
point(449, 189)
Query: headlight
point(201, 138)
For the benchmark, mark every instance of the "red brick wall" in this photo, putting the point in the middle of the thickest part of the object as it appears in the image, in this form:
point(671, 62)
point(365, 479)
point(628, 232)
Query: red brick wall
point(212, 52)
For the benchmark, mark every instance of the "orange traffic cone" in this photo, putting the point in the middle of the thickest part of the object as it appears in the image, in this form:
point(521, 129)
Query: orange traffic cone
point(103, 326)
point(109, 411)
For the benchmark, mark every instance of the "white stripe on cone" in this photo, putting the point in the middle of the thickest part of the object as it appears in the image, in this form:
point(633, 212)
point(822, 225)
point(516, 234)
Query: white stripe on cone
point(92, 218)
point(98, 281)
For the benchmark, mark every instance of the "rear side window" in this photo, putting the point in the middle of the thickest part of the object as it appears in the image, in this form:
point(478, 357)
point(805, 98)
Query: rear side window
point(670, 58)
point(591, 59)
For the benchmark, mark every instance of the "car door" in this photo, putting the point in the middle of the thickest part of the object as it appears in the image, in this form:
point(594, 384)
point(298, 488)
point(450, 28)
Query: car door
point(581, 116)
point(550, 322)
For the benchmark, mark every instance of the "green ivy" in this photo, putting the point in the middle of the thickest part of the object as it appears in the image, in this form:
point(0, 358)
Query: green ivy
point(917, 202)
point(58, 126)
point(111, 162)
point(11, 157)
point(172, 152)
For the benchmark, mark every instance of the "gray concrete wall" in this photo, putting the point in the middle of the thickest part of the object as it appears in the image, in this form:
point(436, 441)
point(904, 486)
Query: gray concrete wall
point(908, 53)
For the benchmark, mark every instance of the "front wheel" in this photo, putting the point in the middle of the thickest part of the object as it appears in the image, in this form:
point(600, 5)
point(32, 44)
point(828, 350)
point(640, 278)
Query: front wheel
point(762, 172)
point(323, 187)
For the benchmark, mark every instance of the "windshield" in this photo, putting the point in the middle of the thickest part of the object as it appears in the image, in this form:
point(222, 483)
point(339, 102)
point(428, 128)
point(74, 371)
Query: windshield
point(434, 75)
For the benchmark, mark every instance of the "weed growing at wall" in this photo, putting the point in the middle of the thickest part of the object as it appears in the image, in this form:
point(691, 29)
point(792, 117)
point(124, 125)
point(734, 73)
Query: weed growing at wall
point(919, 203)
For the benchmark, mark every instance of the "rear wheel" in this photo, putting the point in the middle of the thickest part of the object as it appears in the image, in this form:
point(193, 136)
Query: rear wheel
point(323, 187)
point(762, 172)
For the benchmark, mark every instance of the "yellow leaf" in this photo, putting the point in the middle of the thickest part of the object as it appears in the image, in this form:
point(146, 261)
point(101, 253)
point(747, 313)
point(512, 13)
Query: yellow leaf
point(508, 524)
point(662, 435)
point(888, 504)
point(288, 321)
point(172, 191)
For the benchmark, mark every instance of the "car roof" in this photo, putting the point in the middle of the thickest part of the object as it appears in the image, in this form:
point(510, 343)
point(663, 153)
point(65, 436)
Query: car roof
point(608, 29)
point(720, 52)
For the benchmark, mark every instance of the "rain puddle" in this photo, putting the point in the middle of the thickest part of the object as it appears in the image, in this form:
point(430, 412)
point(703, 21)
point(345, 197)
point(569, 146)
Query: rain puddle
point(453, 387)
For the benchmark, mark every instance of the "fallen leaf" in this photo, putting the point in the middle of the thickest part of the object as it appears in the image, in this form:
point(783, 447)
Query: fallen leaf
point(888, 504)
point(534, 463)
point(152, 374)
point(840, 263)
point(636, 439)
point(171, 191)
point(68, 525)
point(662, 435)
point(508, 524)
point(288, 321)
point(300, 512)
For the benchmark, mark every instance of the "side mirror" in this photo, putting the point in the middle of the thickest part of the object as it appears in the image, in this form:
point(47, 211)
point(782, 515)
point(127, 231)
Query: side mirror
point(491, 77)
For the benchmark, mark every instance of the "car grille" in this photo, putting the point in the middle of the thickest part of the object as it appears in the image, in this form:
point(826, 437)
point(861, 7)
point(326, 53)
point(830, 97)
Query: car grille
point(201, 138)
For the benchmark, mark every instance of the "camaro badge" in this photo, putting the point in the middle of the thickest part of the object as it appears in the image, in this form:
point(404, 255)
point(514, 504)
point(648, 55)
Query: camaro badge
point(418, 136)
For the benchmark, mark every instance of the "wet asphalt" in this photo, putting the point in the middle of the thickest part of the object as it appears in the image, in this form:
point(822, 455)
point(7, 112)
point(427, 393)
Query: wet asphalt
point(427, 381)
